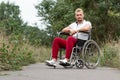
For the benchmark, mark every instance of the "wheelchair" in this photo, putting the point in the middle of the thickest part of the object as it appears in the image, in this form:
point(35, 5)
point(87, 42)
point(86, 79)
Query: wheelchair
point(85, 54)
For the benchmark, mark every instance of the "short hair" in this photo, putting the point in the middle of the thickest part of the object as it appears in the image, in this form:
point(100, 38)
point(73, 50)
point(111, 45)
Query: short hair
point(79, 10)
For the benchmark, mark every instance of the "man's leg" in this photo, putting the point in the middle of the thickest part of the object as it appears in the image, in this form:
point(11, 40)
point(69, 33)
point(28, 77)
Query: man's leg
point(56, 45)
point(70, 43)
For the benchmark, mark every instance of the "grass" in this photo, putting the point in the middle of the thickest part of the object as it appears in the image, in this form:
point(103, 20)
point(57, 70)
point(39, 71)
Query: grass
point(111, 55)
point(41, 53)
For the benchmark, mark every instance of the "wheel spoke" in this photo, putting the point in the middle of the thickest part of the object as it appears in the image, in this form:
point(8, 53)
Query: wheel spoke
point(91, 54)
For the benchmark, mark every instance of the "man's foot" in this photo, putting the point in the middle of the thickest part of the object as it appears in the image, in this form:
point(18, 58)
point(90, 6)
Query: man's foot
point(51, 63)
point(64, 62)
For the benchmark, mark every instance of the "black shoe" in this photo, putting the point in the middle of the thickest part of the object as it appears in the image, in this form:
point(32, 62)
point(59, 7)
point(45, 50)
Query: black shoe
point(64, 64)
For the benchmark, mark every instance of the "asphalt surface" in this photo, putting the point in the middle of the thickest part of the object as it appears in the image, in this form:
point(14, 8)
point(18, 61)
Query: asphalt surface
point(40, 71)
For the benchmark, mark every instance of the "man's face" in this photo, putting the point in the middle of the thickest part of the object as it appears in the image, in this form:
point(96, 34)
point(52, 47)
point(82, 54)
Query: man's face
point(79, 16)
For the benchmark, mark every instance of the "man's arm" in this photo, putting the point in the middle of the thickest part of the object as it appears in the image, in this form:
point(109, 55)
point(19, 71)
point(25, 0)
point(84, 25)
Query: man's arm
point(66, 29)
point(85, 29)
point(69, 30)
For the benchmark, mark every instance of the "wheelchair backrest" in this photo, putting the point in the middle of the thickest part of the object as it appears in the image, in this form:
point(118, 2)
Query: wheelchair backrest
point(80, 42)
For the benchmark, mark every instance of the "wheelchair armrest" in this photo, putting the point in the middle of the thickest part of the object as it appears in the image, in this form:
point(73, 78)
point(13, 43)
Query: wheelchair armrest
point(84, 32)
point(62, 33)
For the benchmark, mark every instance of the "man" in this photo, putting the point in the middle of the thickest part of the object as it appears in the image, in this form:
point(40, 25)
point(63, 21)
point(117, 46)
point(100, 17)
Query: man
point(75, 34)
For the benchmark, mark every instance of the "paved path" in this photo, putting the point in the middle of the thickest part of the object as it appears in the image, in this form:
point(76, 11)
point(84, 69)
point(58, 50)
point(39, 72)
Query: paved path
point(40, 71)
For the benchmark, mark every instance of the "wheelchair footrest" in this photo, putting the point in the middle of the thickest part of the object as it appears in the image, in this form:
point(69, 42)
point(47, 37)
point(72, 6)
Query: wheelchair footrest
point(65, 64)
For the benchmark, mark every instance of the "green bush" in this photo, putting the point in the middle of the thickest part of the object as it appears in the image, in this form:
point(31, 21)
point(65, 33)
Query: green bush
point(14, 57)
point(110, 57)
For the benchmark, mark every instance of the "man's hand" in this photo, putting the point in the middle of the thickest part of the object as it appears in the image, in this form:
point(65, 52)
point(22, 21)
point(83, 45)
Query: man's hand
point(72, 31)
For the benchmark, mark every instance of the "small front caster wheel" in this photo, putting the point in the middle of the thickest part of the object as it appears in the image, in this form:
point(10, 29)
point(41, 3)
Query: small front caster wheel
point(79, 64)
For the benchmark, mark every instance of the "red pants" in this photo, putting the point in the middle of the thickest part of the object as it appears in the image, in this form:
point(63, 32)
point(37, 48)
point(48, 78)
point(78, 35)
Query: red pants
point(68, 44)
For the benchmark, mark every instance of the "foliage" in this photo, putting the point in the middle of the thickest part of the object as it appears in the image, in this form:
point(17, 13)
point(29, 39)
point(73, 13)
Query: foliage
point(11, 22)
point(13, 57)
point(36, 37)
point(9, 18)
point(104, 15)
point(13, 54)
point(14, 27)
point(41, 53)
point(110, 56)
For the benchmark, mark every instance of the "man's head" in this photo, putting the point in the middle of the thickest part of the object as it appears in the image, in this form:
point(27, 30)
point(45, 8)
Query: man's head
point(79, 14)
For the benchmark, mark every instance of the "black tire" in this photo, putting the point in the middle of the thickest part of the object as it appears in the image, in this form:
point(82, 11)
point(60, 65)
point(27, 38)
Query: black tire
point(91, 54)
point(79, 64)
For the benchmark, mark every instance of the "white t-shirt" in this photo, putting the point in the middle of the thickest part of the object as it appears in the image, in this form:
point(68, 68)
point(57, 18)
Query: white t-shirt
point(80, 35)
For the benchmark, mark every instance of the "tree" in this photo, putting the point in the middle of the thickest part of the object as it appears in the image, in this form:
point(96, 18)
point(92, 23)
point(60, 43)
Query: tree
point(10, 18)
point(36, 37)
point(11, 22)
point(12, 53)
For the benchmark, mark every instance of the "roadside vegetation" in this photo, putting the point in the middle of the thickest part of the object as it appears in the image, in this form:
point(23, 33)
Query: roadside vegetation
point(14, 55)
point(110, 55)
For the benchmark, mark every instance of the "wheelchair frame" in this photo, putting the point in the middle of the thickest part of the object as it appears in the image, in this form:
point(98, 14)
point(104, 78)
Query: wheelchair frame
point(84, 55)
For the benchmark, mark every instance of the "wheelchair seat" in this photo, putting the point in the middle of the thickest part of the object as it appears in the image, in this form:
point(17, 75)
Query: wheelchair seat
point(80, 42)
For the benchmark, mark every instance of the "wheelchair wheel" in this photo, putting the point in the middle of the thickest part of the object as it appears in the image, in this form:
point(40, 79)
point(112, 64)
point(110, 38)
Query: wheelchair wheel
point(91, 54)
point(79, 64)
